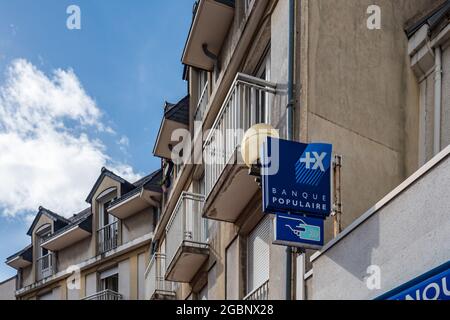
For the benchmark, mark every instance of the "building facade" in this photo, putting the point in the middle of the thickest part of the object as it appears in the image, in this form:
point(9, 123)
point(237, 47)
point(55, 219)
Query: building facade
point(98, 254)
point(8, 289)
point(399, 248)
point(378, 94)
point(353, 86)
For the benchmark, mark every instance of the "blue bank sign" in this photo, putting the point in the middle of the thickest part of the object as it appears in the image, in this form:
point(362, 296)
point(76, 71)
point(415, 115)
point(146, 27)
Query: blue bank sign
point(434, 285)
point(298, 231)
point(301, 182)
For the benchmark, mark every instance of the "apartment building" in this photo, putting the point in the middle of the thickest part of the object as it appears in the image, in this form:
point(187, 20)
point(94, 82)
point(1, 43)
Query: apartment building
point(249, 62)
point(8, 289)
point(313, 70)
point(399, 249)
point(99, 253)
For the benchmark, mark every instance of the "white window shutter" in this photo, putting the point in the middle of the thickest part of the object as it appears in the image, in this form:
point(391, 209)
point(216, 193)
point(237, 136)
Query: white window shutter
point(258, 255)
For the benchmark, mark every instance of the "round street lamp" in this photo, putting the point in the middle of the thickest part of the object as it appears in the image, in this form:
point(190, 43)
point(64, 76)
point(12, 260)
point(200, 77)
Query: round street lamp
point(253, 140)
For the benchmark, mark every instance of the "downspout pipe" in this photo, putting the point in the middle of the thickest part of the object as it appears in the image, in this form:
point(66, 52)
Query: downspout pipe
point(437, 99)
point(291, 67)
point(290, 124)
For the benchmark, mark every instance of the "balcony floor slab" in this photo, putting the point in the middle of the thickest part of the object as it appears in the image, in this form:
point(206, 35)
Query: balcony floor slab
point(187, 262)
point(231, 194)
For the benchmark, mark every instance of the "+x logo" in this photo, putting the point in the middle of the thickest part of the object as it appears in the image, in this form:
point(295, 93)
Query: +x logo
point(312, 165)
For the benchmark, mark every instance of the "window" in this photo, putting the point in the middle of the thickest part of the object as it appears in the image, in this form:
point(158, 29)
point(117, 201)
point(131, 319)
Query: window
point(41, 238)
point(108, 231)
point(111, 283)
point(426, 122)
point(105, 217)
point(202, 82)
point(109, 280)
point(45, 258)
point(202, 95)
point(262, 101)
point(258, 256)
point(199, 188)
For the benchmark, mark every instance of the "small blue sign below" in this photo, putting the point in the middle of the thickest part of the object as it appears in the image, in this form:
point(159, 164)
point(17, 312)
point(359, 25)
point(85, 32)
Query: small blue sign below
point(296, 177)
point(298, 231)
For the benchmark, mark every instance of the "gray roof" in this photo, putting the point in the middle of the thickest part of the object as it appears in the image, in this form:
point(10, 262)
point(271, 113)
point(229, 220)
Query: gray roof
point(26, 253)
point(150, 182)
point(433, 17)
point(60, 221)
point(126, 186)
point(80, 216)
point(178, 112)
point(82, 219)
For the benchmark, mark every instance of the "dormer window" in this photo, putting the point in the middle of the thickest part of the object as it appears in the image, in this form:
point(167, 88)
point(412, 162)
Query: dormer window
point(108, 231)
point(105, 217)
point(45, 262)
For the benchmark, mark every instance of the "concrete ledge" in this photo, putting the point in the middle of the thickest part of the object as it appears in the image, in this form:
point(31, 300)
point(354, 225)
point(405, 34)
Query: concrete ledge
point(387, 199)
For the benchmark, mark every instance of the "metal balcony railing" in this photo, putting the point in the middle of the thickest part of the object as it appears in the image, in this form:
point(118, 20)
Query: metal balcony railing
point(155, 278)
point(186, 225)
point(46, 266)
point(107, 237)
point(249, 102)
point(105, 295)
point(261, 293)
point(202, 103)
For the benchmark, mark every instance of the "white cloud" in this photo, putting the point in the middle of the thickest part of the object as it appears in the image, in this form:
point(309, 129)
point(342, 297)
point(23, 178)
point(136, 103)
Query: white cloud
point(123, 144)
point(44, 160)
point(124, 141)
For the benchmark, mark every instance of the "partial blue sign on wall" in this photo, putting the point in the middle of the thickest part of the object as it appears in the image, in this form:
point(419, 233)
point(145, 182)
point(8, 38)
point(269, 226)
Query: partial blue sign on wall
point(298, 231)
point(302, 182)
point(433, 285)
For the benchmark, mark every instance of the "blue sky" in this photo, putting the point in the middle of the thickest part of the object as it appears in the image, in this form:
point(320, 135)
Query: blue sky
point(126, 58)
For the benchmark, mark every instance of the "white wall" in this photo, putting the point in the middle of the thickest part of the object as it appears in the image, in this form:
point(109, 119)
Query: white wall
point(8, 289)
point(405, 238)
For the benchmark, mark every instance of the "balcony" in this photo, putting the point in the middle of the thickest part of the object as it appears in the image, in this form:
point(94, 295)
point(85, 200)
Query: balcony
point(158, 288)
point(228, 186)
point(186, 239)
point(46, 266)
point(107, 237)
point(105, 295)
point(69, 235)
point(176, 117)
point(261, 293)
point(212, 20)
point(21, 259)
point(135, 201)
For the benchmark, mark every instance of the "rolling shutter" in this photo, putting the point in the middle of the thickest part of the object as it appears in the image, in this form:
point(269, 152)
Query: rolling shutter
point(232, 271)
point(258, 255)
point(108, 273)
